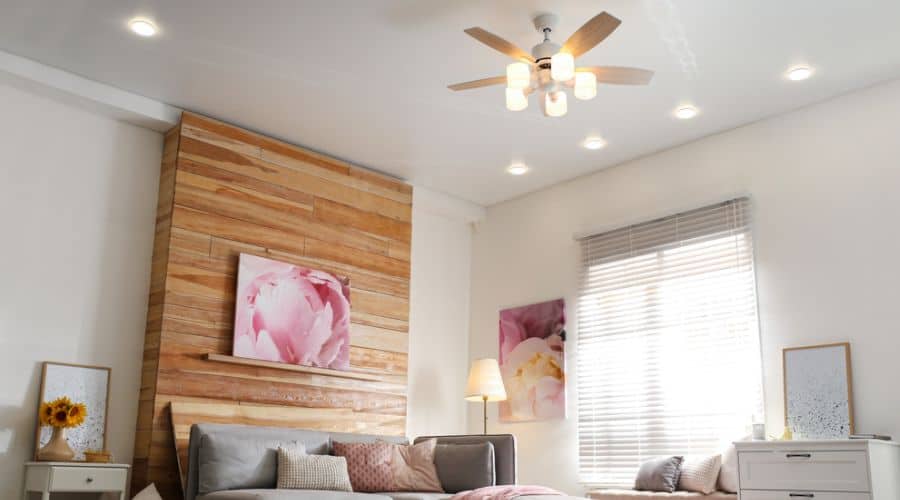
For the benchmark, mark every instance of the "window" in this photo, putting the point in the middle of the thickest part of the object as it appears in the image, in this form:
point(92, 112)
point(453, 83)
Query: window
point(668, 342)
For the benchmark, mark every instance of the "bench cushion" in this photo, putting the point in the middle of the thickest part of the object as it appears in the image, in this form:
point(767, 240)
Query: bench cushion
point(635, 495)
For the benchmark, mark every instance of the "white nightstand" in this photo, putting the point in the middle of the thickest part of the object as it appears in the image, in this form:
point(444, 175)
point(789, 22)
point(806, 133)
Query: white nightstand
point(53, 477)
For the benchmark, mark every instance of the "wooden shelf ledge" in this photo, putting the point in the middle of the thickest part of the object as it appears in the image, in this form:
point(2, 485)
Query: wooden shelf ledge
point(222, 358)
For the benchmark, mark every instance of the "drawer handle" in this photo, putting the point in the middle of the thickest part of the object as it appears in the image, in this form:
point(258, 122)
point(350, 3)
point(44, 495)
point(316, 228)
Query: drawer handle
point(802, 495)
point(89, 479)
point(799, 455)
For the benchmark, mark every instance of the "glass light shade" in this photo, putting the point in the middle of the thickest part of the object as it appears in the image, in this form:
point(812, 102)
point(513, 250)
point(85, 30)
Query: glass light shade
point(518, 75)
point(585, 85)
point(555, 103)
point(562, 67)
point(516, 100)
point(485, 381)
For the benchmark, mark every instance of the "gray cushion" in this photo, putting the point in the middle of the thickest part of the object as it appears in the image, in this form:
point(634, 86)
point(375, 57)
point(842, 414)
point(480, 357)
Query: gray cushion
point(659, 474)
point(504, 452)
point(463, 467)
point(235, 462)
point(289, 495)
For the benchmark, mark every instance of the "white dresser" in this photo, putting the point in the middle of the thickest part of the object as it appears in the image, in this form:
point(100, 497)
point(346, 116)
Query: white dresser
point(53, 477)
point(820, 470)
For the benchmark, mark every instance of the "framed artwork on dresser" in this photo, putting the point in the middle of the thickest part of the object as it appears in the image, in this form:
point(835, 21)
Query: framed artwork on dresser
point(818, 391)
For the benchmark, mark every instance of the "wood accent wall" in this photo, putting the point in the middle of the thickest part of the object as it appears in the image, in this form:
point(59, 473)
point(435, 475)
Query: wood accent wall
point(225, 191)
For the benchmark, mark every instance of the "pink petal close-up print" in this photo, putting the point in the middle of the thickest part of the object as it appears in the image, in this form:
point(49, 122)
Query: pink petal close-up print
point(532, 361)
point(291, 314)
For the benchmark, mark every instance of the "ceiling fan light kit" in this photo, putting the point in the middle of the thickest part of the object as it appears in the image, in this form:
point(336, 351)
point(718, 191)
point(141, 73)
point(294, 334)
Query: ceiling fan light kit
point(550, 68)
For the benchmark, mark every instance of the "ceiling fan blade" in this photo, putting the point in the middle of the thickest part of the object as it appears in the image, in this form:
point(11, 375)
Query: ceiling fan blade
point(495, 42)
point(474, 84)
point(620, 75)
point(590, 34)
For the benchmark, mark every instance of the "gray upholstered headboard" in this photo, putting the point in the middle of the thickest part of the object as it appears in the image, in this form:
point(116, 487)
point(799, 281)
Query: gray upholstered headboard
point(504, 451)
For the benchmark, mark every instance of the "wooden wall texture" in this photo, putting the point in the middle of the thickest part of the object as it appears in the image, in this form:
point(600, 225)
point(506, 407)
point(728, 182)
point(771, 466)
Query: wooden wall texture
point(225, 191)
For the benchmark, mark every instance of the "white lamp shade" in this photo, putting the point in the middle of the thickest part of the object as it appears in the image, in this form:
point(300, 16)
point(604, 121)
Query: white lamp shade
point(518, 75)
point(516, 100)
point(562, 67)
point(555, 103)
point(485, 381)
point(585, 85)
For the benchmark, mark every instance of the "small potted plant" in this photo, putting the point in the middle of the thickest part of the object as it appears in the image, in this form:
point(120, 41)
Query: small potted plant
point(60, 414)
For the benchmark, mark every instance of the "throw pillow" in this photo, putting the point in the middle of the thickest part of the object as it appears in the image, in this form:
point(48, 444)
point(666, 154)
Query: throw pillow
point(659, 474)
point(369, 465)
point(299, 471)
point(700, 474)
point(462, 467)
point(413, 467)
point(728, 476)
point(148, 493)
point(228, 462)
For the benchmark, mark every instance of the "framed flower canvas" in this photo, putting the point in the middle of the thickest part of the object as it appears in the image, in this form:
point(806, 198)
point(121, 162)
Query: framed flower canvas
point(532, 361)
point(291, 314)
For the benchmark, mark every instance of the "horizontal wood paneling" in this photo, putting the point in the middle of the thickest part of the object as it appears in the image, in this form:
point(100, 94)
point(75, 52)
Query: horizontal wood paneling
point(226, 191)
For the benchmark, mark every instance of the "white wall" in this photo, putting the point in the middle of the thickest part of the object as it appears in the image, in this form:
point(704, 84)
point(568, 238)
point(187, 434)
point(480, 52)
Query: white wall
point(77, 208)
point(439, 313)
point(825, 185)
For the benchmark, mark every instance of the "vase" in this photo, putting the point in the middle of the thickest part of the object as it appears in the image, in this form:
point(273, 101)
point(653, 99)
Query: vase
point(57, 449)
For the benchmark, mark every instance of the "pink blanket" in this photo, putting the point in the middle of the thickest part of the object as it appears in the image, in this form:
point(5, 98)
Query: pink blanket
point(507, 492)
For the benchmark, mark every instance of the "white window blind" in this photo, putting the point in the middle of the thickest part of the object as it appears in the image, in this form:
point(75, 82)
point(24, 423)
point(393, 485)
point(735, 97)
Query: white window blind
point(668, 343)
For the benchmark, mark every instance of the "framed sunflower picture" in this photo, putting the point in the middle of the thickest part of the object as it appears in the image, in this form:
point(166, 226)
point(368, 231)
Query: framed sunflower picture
point(73, 398)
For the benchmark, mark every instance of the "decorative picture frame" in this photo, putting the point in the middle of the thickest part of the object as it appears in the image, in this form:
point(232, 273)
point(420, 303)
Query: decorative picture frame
point(818, 391)
point(88, 384)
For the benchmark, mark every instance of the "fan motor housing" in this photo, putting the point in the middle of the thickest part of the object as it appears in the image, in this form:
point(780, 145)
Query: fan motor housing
point(544, 50)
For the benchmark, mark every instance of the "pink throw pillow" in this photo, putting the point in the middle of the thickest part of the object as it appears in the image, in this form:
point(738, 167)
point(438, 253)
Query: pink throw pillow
point(369, 465)
point(413, 467)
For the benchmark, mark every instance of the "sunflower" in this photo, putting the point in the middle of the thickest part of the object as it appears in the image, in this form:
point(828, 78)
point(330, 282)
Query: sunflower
point(77, 414)
point(46, 412)
point(62, 412)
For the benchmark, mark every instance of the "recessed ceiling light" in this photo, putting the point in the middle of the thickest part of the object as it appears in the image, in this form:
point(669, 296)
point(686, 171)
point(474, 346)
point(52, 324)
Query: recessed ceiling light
point(594, 143)
point(517, 169)
point(686, 112)
point(799, 73)
point(142, 27)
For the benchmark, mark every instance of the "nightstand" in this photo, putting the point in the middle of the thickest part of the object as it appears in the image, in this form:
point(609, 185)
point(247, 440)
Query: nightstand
point(54, 477)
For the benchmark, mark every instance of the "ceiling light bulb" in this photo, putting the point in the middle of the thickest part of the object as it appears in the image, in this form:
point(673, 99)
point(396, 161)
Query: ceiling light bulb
point(594, 143)
point(517, 169)
point(562, 67)
point(142, 27)
point(518, 75)
point(799, 73)
point(516, 100)
point(585, 85)
point(555, 103)
point(686, 112)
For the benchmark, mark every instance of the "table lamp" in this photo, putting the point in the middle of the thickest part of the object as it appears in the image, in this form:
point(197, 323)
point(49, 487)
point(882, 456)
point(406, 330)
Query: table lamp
point(485, 384)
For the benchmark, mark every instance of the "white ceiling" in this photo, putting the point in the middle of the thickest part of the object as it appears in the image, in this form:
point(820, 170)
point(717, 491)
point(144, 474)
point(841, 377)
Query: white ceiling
point(366, 80)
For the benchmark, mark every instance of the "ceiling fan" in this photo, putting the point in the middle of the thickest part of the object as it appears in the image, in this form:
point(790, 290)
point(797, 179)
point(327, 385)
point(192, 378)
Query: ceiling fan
point(550, 68)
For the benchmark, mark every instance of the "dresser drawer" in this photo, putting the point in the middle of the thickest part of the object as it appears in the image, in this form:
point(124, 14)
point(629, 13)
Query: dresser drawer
point(87, 479)
point(801, 495)
point(804, 471)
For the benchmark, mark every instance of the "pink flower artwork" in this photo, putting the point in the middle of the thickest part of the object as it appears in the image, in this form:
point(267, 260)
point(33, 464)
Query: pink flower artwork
point(291, 314)
point(532, 361)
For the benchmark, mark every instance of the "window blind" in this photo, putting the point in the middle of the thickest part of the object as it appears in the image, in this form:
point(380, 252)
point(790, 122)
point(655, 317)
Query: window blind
point(668, 357)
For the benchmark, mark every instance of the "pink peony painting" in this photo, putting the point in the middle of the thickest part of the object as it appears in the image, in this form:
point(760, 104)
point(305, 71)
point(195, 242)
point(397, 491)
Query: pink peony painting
point(291, 314)
point(532, 361)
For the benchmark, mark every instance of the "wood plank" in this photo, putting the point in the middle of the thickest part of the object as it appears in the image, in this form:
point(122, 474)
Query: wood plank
point(247, 182)
point(230, 161)
point(237, 230)
point(210, 196)
point(378, 338)
point(310, 165)
point(344, 215)
point(339, 253)
point(289, 367)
